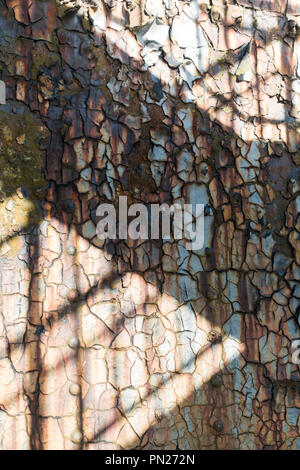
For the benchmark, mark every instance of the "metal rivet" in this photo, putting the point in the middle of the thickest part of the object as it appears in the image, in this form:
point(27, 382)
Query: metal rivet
point(216, 381)
point(69, 206)
point(214, 337)
point(2, 92)
point(71, 250)
point(218, 426)
point(74, 342)
point(158, 415)
point(74, 389)
point(68, 162)
point(76, 436)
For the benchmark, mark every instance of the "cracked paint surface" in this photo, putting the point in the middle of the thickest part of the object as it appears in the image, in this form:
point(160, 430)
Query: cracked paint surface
point(142, 344)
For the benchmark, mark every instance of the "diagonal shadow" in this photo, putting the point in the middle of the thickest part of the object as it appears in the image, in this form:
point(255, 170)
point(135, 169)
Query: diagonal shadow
point(39, 366)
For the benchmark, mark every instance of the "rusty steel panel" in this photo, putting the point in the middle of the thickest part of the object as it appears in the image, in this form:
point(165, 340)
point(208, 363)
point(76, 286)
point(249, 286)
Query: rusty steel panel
point(144, 344)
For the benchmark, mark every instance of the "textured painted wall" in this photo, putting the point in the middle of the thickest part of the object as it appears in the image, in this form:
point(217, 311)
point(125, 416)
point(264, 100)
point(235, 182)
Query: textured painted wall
point(122, 344)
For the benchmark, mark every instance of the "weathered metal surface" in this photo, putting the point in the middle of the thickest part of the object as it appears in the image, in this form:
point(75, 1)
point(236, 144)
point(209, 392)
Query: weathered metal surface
point(144, 344)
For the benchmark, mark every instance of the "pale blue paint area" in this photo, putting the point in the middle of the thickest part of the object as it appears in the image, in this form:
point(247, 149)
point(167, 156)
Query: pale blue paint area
point(157, 153)
point(238, 380)
point(254, 153)
point(296, 444)
point(233, 326)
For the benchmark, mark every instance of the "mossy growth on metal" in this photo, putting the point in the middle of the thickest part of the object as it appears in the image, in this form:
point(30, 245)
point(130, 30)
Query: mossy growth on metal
point(22, 180)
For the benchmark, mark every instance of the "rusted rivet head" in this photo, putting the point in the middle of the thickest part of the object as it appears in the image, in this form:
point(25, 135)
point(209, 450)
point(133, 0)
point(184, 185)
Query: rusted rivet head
point(73, 295)
point(71, 250)
point(214, 337)
point(218, 426)
point(74, 343)
point(216, 380)
point(76, 436)
point(130, 5)
point(23, 192)
point(111, 3)
point(69, 206)
point(204, 7)
point(68, 162)
point(204, 169)
point(74, 389)
point(39, 331)
point(211, 294)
